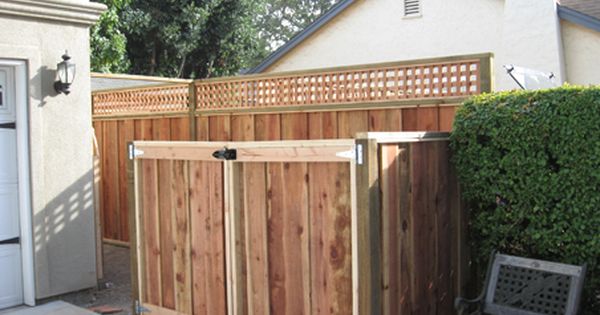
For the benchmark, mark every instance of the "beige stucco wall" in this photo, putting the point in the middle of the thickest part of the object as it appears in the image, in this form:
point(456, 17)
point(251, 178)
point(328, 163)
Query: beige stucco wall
point(582, 54)
point(60, 139)
point(523, 33)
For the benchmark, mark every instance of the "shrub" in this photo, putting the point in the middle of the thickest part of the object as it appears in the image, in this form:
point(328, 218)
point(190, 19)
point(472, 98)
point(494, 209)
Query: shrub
point(529, 167)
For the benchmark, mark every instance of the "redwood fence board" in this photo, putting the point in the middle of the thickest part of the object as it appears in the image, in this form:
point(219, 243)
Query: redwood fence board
point(265, 235)
point(319, 104)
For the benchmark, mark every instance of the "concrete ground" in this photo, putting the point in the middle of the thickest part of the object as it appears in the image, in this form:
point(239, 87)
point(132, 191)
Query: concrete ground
point(114, 290)
point(51, 308)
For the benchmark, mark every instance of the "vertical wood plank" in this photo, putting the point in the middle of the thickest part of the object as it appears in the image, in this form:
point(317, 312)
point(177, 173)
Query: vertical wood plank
point(98, 204)
point(242, 127)
point(202, 128)
point(294, 126)
point(428, 119)
point(236, 209)
point(406, 273)
point(161, 129)
point(410, 119)
point(180, 129)
point(267, 127)
point(256, 238)
point(208, 261)
point(219, 128)
point(98, 191)
point(352, 122)
point(424, 238)
point(181, 235)
point(288, 226)
point(391, 229)
point(110, 184)
point(443, 205)
point(166, 233)
point(385, 120)
point(322, 125)
point(151, 234)
point(446, 118)
point(126, 135)
point(143, 129)
point(331, 249)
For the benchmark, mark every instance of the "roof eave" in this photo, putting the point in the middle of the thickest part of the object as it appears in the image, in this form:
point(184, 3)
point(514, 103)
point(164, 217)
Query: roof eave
point(577, 17)
point(301, 36)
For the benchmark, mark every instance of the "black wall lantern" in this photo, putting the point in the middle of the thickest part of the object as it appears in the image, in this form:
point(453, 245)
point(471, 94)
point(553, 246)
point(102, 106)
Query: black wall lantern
point(66, 74)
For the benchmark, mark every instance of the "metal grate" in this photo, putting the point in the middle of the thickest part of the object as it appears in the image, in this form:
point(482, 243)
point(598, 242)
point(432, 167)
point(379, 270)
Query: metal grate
point(412, 7)
point(533, 290)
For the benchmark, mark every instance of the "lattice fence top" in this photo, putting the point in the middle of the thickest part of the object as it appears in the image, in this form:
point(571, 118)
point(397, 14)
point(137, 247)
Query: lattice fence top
point(434, 80)
point(357, 85)
point(163, 99)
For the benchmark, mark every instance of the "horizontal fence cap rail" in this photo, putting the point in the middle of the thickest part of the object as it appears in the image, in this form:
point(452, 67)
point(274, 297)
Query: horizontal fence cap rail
point(272, 151)
point(393, 137)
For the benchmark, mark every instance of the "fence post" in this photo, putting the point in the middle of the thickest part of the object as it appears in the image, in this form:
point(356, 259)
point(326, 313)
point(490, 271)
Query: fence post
point(192, 110)
point(368, 228)
point(131, 205)
point(486, 73)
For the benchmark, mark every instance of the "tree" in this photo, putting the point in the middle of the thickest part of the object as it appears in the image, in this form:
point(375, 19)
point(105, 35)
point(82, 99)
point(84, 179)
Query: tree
point(107, 42)
point(282, 19)
point(195, 38)
point(190, 38)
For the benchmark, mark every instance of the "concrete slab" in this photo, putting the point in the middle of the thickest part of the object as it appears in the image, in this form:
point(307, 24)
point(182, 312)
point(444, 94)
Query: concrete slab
point(52, 308)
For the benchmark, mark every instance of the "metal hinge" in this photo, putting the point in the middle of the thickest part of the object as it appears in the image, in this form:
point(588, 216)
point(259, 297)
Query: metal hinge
point(10, 125)
point(139, 308)
point(353, 154)
point(133, 152)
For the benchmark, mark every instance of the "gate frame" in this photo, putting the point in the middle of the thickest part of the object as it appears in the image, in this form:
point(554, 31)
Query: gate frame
point(362, 156)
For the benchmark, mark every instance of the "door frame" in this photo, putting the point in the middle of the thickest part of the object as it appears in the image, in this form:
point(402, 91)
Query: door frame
point(24, 184)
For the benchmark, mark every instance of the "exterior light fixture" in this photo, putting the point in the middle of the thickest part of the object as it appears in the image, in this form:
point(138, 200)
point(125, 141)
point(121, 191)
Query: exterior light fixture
point(66, 74)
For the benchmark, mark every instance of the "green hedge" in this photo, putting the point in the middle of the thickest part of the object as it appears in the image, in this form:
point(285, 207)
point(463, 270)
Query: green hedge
point(529, 167)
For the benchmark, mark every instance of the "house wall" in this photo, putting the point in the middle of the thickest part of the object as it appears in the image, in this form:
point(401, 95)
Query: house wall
point(523, 33)
point(582, 59)
point(60, 141)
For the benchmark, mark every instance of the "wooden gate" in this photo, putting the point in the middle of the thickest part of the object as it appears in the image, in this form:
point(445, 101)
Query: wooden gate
point(366, 226)
point(246, 228)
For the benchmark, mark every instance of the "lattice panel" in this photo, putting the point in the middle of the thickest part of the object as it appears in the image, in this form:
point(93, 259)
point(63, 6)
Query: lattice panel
point(344, 87)
point(533, 290)
point(164, 99)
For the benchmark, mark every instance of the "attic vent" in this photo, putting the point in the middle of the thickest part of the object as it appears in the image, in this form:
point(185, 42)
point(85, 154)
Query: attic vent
point(412, 7)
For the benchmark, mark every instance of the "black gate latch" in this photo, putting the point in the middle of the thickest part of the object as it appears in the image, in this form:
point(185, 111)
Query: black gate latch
point(225, 154)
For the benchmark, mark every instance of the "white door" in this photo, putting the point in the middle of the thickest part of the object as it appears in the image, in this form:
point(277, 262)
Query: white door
point(11, 281)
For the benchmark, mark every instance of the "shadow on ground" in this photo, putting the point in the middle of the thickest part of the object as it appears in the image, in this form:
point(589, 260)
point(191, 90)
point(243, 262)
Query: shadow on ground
point(114, 290)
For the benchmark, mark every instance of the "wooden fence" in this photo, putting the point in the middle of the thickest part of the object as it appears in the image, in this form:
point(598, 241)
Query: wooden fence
point(334, 103)
point(366, 226)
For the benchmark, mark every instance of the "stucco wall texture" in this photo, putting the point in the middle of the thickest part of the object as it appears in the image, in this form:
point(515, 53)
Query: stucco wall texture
point(523, 33)
point(60, 145)
point(582, 54)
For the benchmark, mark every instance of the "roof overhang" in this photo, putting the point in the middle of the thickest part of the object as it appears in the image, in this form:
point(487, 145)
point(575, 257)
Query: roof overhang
point(83, 13)
point(577, 17)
